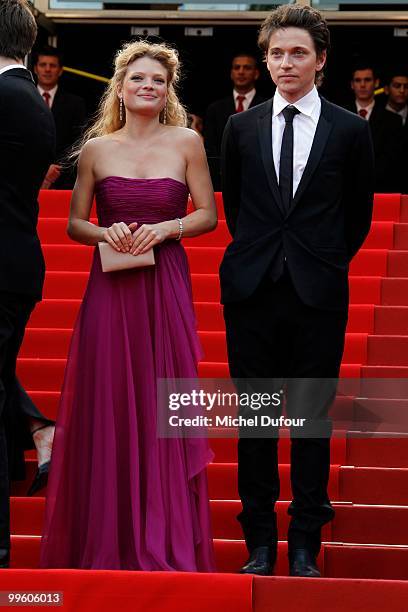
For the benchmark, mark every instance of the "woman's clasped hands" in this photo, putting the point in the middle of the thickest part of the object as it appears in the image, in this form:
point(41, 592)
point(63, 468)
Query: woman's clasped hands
point(133, 239)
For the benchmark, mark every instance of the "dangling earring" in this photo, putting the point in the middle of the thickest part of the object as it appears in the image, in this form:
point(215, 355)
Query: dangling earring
point(121, 109)
point(165, 114)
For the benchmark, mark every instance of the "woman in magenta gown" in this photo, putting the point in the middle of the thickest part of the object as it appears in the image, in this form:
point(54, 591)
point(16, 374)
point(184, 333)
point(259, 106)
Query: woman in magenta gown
point(119, 497)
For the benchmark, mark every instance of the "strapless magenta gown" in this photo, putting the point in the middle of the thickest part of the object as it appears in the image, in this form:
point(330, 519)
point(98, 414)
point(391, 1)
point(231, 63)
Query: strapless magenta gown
point(118, 496)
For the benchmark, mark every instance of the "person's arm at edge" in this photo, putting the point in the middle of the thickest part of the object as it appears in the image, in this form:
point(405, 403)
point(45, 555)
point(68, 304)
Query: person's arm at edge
point(80, 229)
point(230, 176)
point(359, 191)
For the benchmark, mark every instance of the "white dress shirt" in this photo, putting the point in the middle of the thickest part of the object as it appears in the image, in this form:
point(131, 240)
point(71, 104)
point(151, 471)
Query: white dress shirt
point(52, 93)
point(402, 113)
point(304, 129)
point(11, 66)
point(249, 96)
point(368, 109)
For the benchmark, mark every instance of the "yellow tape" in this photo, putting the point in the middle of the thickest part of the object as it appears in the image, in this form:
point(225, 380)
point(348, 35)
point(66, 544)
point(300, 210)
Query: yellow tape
point(87, 75)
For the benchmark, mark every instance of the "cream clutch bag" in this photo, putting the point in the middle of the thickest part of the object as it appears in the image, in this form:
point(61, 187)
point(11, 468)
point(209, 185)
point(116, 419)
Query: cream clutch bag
point(112, 260)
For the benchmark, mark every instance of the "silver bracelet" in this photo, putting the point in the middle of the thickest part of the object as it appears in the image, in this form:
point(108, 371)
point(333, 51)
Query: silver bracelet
point(180, 234)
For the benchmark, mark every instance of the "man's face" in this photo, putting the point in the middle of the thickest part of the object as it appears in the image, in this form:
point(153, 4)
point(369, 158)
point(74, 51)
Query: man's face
point(292, 62)
point(48, 71)
point(364, 84)
point(397, 91)
point(244, 73)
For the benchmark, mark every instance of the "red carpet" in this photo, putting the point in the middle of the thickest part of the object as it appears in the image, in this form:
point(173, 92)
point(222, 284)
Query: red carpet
point(366, 546)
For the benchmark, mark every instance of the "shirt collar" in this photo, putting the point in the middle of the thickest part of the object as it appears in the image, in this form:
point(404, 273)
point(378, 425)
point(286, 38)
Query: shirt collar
point(305, 105)
point(368, 108)
point(11, 67)
point(52, 91)
point(403, 112)
point(246, 95)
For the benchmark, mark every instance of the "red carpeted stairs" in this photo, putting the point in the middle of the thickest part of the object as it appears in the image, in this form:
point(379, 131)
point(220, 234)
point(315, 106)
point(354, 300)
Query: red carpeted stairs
point(369, 478)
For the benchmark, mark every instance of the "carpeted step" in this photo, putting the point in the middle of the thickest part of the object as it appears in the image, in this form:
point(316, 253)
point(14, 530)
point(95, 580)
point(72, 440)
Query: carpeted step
point(401, 236)
point(54, 203)
point(377, 451)
point(353, 523)
point(387, 207)
point(359, 451)
point(397, 264)
point(387, 350)
point(129, 591)
point(381, 414)
point(336, 595)
point(394, 292)
point(55, 313)
point(223, 482)
point(363, 562)
point(360, 485)
point(53, 343)
point(71, 285)
point(64, 285)
point(404, 209)
point(365, 289)
point(53, 230)
point(361, 318)
point(381, 236)
point(206, 287)
point(373, 485)
point(369, 262)
point(41, 374)
point(47, 374)
point(391, 320)
point(383, 371)
point(363, 524)
point(336, 561)
point(225, 450)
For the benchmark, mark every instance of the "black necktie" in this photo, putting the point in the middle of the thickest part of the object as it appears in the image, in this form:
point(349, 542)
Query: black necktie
point(286, 158)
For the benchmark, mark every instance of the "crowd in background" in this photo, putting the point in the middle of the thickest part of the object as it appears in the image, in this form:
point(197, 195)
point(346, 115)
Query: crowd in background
point(383, 102)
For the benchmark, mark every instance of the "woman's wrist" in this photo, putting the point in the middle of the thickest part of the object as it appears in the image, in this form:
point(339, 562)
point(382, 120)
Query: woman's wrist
point(174, 228)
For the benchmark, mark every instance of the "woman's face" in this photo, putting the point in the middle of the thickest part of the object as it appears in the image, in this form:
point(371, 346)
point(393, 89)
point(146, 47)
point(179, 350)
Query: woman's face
point(145, 87)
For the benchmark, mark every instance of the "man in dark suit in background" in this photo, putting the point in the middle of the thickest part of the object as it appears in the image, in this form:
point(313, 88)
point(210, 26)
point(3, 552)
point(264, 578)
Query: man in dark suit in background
point(27, 141)
point(244, 74)
point(68, 111)
point(396, 88)
point(385, 129)
point(297, 174)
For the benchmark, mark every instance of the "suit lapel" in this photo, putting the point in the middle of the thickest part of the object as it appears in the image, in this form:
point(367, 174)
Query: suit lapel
point(265, 140)
point(321, 136)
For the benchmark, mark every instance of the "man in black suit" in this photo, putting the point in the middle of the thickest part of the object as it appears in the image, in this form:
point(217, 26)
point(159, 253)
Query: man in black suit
point(385, 129)
point(27, 141)
point(68, 111)
point(297, 175)
point(244, 74)
point(396, 88)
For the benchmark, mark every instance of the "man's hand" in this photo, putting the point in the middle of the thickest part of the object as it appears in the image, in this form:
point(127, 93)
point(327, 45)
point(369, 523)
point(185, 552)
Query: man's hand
point(54, 172)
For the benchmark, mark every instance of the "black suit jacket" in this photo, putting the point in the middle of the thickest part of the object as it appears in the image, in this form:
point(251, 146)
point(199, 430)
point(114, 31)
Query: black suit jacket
point(388, 149)
point(69, 114)
point(216, 118)
point(329, 218)
point(27, 147)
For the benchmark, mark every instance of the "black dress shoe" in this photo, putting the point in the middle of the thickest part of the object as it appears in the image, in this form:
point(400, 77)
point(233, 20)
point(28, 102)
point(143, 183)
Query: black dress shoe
point(4, 558)
point(40, 479)
point(259, 563)
point(302, 563)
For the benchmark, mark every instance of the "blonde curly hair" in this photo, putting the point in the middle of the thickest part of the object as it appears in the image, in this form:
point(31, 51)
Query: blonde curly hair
point(107, 118)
